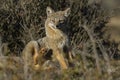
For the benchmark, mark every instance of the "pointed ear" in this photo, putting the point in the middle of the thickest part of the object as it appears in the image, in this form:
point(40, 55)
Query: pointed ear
point(49, 11)
point(67, 12)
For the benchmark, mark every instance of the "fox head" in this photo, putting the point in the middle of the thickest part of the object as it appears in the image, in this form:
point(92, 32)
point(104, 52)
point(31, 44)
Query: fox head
point(55, 18)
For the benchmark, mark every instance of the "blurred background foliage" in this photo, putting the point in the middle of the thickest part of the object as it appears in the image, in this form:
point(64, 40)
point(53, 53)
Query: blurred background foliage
point(23, 20)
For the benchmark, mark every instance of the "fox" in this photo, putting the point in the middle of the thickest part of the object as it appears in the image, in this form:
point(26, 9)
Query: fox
point(30, 55)
point(55, 39)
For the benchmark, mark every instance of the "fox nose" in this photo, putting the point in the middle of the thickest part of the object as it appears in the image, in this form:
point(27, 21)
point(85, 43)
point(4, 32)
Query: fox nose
point(59, 26)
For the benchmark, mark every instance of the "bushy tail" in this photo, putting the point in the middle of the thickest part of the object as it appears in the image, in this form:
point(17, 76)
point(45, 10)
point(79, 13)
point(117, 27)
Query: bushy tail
point(30, 49)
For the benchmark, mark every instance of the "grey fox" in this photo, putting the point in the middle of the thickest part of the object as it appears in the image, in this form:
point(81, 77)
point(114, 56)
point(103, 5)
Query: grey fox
point(55, 39)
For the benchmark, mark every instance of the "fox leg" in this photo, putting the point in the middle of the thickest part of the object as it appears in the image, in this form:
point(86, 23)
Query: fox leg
point(42, 51)
point(37, 56)
point(61, 60)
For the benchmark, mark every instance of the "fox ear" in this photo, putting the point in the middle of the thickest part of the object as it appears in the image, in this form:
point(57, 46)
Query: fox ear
point(67, 12)
point(49, 11)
